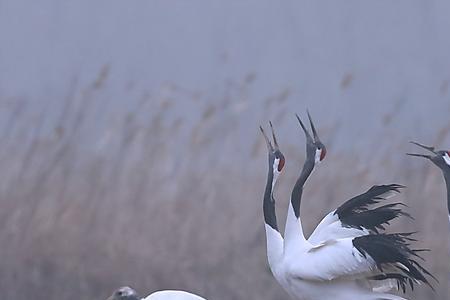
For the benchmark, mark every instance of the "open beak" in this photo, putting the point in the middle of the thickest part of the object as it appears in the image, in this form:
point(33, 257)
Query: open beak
point(428, 148)
point(275, 142)
point(270, 147)
point(313, 128)
point(307, 134)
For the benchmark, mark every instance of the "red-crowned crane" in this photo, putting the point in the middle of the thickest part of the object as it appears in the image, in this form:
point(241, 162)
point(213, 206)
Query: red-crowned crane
point(441, 159)
point(346, 257)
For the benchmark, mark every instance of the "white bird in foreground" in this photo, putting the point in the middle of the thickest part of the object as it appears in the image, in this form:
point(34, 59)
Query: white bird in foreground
point(127, 293)
point(345, 258)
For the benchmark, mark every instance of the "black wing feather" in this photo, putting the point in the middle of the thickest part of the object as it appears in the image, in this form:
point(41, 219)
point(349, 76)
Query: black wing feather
point(356, 213)
point(394, 250)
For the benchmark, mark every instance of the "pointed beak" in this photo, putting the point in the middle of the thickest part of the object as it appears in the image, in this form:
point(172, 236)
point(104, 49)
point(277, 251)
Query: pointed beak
point(428, 148)
point(419, 155)
point(268, 143)
point(313, 128)
point(308, 136)
point(275, 142)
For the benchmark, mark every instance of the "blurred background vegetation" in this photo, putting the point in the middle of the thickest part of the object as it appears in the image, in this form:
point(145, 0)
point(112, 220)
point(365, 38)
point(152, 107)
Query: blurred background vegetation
point(130, 151)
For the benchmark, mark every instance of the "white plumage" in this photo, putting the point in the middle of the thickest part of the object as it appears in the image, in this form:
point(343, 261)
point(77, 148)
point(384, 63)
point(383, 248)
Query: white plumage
point(127, 293)
point(173, 295)
point(345, 257)
point(331, 227)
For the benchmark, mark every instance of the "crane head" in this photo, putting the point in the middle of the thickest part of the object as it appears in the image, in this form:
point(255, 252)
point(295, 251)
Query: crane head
point(124, 293)
point(315, 149)
point(276, 158)
point(440, 158)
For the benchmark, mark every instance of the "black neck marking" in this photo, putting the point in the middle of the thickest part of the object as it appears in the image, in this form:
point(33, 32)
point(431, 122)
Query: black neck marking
point(447, 183)
point(296, 196)
point(270, 216)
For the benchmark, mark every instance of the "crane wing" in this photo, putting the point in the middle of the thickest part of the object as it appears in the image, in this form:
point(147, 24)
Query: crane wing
point(355, 218)
point(332, 228)
point(373, 256)
point(356, 212)
point(331, 260)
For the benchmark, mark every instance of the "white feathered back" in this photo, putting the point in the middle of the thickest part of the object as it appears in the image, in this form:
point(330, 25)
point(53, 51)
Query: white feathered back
point(173, 295)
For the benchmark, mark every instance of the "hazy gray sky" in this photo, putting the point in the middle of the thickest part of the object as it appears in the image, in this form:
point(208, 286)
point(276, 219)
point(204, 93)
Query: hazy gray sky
point(350, 62)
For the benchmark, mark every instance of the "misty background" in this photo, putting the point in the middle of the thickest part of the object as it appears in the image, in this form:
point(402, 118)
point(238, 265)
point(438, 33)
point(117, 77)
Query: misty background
point(130, 152)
